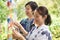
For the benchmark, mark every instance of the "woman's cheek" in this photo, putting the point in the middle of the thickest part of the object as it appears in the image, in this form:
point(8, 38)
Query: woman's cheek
point(37, 19)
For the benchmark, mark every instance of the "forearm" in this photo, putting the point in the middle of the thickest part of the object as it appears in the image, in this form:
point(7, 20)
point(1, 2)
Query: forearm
point(21, 37)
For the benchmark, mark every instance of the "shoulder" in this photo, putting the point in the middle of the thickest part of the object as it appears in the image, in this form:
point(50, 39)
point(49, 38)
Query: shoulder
point(23, 20)
point(47, 34)
point(45, 30)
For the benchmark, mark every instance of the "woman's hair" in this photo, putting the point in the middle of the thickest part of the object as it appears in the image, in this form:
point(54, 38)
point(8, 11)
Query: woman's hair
point(32, 4)
point(44, 11)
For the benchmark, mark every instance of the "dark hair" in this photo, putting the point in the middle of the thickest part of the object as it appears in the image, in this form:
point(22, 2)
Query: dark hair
point(44, 11)
point(32, 4)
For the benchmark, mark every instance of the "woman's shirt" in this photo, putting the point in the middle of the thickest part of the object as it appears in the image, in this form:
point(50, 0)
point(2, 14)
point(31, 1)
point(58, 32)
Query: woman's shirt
point(26, 23)
point(41, 33)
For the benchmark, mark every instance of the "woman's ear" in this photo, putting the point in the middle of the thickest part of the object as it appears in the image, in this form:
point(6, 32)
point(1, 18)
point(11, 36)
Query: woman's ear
point(45, 17)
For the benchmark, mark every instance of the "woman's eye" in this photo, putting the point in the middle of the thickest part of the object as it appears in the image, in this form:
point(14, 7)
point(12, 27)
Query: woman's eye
point(36, 16)
point(27, 9)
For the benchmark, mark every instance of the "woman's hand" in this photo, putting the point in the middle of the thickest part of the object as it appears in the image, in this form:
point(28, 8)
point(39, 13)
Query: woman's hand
point(17, 35)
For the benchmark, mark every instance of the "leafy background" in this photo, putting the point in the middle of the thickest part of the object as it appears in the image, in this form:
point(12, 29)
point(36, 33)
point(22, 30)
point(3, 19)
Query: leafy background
point(52, 5)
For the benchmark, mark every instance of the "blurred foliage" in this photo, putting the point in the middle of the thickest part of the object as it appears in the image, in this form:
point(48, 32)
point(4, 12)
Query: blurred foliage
point(3, 11)
point(52, 5)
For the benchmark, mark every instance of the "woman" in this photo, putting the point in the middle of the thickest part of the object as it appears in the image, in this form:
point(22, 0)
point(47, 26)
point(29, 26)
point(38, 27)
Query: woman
point(41, 21)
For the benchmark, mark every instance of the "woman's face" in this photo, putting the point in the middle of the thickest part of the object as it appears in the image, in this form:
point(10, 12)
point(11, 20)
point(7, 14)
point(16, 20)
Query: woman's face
point(28, 10)
point(37, 17)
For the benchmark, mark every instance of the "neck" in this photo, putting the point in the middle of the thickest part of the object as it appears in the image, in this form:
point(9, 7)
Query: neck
point(39, 24)
point(30, 17)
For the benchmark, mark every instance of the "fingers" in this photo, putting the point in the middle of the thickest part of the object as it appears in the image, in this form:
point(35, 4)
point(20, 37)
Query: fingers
point(18, 35)
point(21, 28)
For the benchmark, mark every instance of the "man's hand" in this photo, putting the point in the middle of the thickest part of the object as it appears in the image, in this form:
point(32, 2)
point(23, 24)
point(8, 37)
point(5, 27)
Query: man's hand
point(21, 28)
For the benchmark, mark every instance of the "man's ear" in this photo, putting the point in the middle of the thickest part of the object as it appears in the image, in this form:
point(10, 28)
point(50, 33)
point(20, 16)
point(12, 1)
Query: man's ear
point(33, 12)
